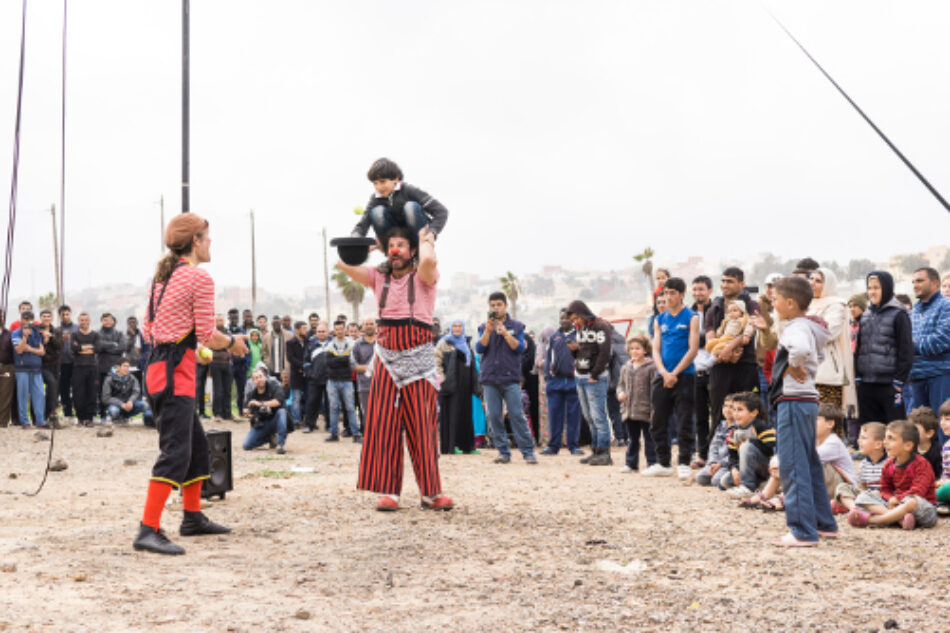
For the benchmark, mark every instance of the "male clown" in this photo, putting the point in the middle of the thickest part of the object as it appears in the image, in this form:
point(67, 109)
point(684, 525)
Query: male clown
point(403, 394)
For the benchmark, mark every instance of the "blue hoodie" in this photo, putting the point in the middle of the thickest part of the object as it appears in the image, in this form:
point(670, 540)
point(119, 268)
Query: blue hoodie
point(930, 321)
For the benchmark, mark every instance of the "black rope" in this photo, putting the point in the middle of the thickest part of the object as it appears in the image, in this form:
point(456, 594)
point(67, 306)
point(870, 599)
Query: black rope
point(893, 147)
point(5, 287)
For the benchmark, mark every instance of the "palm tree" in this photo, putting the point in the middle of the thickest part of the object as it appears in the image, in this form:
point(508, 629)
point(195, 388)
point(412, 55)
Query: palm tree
point(48, 301)
point(351, 291)
point(646, 256)
point(511, 287)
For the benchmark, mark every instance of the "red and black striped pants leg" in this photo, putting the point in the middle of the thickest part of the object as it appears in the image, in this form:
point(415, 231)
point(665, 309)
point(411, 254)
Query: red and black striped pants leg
point(381, 459)
point(417, 409)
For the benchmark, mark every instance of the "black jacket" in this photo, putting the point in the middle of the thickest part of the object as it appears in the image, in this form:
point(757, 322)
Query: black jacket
point(434, 210)
point(592, 357)
point(118, 390)
point(885, 351)
point(295, 350)
point(315, 361)
point(110, 348)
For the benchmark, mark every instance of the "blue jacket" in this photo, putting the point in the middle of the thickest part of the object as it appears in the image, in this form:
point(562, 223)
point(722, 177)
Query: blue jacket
point(559, 362)
point(930, 321)
point(501, 365)
point(27, 361)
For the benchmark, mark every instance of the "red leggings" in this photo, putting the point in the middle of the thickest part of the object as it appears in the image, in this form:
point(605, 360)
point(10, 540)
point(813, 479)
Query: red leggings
point(414, 411)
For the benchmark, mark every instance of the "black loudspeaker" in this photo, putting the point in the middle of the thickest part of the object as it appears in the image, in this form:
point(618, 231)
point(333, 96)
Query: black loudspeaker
point(221, 480)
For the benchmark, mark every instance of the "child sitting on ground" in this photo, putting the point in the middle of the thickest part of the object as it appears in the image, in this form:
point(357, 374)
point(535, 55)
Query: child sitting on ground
point(926, 422)
point(836, 462)
point(907, 495)
point(943, 485)
point(736, 323)
point(717, 465)
point(871, 445)
point(633, 393)
point(397, 203)
point(751, 444)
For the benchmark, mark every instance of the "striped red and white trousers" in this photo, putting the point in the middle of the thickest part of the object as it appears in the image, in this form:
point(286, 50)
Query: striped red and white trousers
point(393, 412)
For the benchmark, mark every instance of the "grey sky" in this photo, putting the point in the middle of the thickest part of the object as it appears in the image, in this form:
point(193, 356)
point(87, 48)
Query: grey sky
point(555, 132)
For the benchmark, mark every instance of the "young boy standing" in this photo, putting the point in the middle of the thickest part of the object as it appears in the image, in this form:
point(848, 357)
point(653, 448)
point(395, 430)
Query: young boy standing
point(871, 445)
point(907, 494)
point(793, 393)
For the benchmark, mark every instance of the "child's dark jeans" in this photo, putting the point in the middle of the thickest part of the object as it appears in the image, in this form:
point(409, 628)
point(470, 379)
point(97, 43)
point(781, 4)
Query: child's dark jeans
point(636, 428)
point(411, 215)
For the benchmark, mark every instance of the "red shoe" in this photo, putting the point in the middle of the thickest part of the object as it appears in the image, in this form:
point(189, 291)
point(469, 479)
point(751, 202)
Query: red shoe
point(837, 508)
point(858, 518)
point(387, 504)
point(438, 503)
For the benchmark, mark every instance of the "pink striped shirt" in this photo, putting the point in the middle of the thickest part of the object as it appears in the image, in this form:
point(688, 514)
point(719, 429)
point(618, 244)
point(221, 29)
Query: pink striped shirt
point(188, 304)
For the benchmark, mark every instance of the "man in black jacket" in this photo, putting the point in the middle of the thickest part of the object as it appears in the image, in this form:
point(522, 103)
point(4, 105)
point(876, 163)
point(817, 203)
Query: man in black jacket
point(592, 373)
point(111, 348)
point(340, 383)
point(123, 396)
point(54, 348)
point(298, 383)
point(315, 371)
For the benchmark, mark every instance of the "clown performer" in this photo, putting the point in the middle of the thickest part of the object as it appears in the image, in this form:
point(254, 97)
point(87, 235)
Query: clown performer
point(402, 395)
point(180, 315)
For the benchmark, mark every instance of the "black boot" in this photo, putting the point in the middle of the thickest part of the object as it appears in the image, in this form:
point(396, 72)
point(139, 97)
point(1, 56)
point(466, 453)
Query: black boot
point(602, 458)
point(196, 523)
point(594, 452)
point(153, 540)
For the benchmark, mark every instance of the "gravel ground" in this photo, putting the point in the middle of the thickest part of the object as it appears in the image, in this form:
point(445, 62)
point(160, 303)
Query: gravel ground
point(554, 547)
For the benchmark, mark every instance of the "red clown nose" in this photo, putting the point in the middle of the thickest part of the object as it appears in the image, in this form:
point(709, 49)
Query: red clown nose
point(394, 251)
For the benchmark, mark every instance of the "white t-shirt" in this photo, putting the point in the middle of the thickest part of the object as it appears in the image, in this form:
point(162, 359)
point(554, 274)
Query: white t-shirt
point(833, 451)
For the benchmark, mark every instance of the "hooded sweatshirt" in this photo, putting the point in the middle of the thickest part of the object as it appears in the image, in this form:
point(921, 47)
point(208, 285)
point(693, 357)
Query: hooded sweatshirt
point(885, 345)
point(254, 351)
point(801, 345)
point(118, 389)
point(592, 357)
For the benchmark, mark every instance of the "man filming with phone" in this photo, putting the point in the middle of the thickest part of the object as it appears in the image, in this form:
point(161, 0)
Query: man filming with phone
point(501, 343)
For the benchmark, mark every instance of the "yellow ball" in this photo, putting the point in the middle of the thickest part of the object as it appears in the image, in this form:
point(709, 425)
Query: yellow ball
point(205, 353)
point(358, 210)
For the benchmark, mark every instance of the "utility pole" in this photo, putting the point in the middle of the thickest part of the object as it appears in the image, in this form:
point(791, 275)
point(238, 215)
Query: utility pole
point(326, 275)
point(161, 226)
point(253, 267)
point(59, 288)
point(185, 88)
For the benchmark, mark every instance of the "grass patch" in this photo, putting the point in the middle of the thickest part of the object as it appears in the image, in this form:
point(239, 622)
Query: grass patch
point(274, 458)
point(277, 474)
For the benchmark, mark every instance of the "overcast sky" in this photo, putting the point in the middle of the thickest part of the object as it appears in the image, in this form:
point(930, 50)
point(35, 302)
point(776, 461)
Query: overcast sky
point(555, 132)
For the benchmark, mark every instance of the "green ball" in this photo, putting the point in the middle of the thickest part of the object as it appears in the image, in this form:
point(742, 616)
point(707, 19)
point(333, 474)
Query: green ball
point(358, 210)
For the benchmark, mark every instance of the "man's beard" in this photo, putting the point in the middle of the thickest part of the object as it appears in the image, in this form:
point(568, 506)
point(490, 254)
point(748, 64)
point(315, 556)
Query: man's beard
point(398, 263)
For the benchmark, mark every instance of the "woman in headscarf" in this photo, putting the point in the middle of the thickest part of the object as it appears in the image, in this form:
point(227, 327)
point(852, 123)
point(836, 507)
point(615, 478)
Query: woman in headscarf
point(255, 354)
point(835, 378)
point(885, 352)
point(455, 364)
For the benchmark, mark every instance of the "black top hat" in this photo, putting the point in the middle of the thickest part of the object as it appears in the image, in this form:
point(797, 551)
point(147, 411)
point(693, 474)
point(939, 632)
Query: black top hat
point(353, 250)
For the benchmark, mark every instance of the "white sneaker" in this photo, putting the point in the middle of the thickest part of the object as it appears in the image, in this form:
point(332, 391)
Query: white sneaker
point(656, 470)
point(739, 492)
point(626, 469)
point(683, 471)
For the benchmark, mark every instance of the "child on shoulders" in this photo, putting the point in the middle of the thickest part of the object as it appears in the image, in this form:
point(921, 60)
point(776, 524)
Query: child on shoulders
point(907, 495)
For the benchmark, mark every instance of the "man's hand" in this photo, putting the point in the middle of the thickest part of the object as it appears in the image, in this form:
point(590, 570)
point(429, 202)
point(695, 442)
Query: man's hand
point(572, 347)
point(758, 321)
point(621, 397)
point(45, 334)
point(361, 369)
point(500, 329)
point(736, 477)
point(239, 347)
point(490, 325)
point(127, 406)
point(253, 404)
point(425, 235)
point(714, 468)
point(669, 380)
point(798, 373)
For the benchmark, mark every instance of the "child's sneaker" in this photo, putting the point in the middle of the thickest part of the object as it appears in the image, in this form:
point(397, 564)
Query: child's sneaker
point(943, 509)
point(909, 522)
point(683, 471)
point(838, 508)
point(739, 492)
point(626, 469)
point(859, 518)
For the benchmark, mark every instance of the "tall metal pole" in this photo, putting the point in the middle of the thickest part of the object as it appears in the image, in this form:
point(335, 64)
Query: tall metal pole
point(185, 83)
point(326, 276)
point(59, 287)
point(253, 266)
point(61, 294)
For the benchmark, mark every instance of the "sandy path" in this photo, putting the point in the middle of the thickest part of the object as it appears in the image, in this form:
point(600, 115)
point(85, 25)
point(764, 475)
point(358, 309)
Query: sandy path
point(524, 550)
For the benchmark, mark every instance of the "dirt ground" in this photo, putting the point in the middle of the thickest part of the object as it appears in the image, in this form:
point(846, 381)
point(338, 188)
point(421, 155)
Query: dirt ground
point(553, 547)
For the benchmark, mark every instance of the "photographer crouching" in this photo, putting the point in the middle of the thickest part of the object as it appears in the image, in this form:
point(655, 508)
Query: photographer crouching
point(264, 406)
